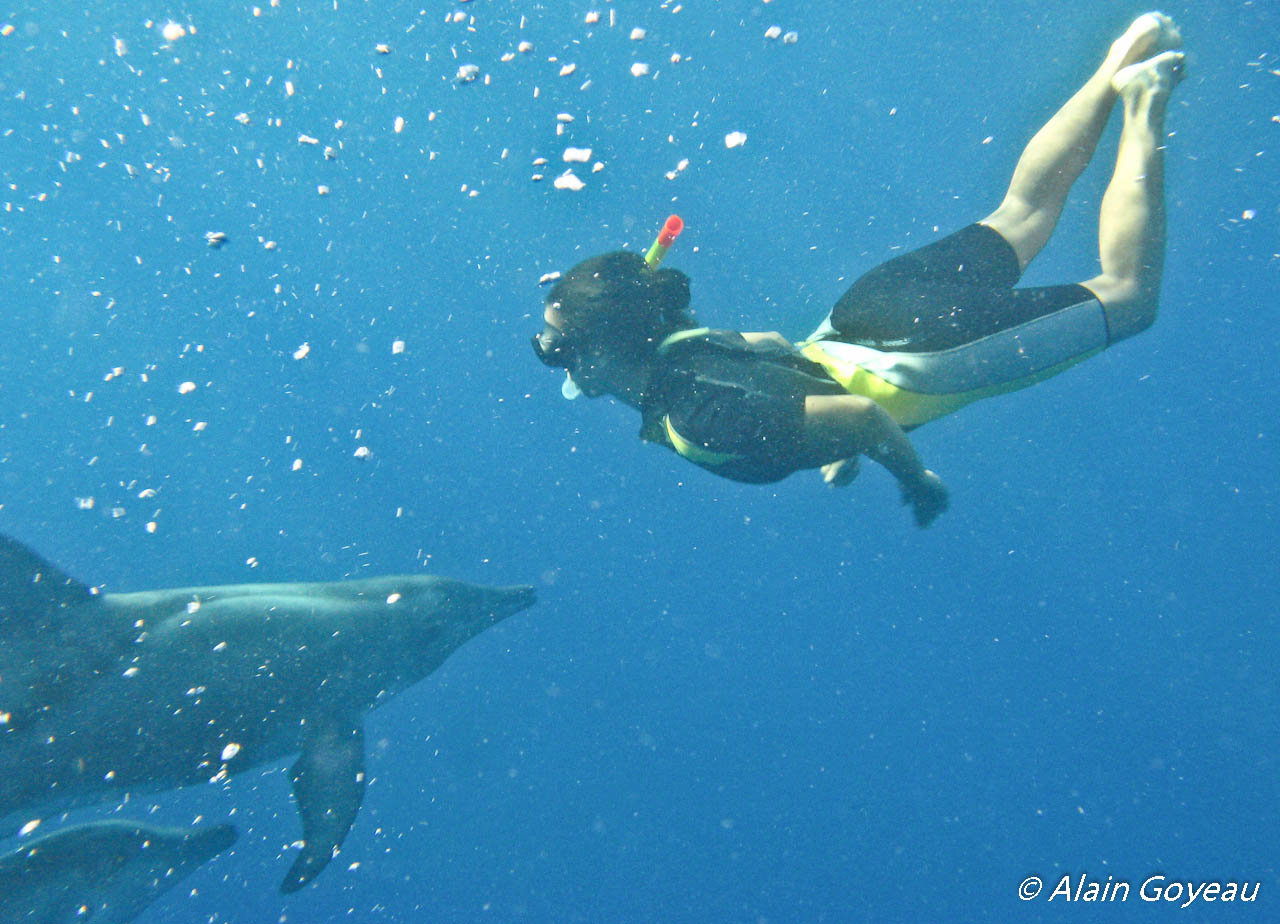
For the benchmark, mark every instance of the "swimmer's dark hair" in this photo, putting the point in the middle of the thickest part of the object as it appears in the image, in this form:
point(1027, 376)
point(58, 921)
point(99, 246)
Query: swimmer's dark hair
point(616, 301)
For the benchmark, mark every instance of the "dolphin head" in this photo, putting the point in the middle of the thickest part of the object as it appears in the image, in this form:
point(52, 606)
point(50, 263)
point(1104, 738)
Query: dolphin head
point(472, 608)
point(409, 624)
point(462, 609)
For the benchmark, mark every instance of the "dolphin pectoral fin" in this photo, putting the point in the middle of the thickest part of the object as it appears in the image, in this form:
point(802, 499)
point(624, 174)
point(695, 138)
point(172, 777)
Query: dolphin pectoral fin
point(328, 783)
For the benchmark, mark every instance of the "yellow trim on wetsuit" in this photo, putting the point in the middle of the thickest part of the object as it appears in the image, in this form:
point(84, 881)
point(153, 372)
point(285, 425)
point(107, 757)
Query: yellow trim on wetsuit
point(910, 408)
point(672, 339)
point(699, 455)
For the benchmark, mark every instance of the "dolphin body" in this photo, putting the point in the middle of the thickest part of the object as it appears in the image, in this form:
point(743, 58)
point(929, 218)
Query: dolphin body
point(104, 694)
point(104, 871)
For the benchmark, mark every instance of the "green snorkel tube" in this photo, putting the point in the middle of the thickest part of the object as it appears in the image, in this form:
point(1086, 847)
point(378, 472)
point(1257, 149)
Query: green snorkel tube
point(671, 229)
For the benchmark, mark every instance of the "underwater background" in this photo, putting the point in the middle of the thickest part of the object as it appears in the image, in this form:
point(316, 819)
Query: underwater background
point(732, 702)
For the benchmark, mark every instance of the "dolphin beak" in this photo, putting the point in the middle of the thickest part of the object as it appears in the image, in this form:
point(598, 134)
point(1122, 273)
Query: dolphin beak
point(515, 599)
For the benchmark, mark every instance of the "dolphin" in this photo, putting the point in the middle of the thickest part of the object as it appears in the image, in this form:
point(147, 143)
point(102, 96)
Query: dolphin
point(105, 694)
point(103, 871)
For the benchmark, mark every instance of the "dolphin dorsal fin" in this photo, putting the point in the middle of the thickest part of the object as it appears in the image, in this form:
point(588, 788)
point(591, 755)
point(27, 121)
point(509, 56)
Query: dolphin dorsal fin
point(33, 592)
point(53, 638)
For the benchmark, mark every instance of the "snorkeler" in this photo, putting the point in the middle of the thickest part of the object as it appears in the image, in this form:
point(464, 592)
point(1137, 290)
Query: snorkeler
point(911, 340)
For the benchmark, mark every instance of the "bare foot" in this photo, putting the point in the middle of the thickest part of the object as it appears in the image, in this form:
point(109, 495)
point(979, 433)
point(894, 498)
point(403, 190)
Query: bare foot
point(1148, 35)
point(1155, 77)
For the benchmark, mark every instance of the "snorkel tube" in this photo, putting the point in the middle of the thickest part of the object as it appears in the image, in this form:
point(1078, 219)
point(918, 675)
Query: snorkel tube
point(671, 229)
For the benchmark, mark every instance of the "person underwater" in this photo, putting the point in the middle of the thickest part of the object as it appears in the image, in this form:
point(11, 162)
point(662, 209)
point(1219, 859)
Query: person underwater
point(749, 407)
point(913, 339)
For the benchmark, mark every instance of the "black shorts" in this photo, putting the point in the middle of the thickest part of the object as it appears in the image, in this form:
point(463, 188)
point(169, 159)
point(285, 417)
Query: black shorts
point(946, 294)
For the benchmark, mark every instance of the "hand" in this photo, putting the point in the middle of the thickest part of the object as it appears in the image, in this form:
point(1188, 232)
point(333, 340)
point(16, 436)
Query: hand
point(927, 496)
point(841, 472)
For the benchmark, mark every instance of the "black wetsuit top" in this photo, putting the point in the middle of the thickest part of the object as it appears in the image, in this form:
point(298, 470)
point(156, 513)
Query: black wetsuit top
point(732, 407)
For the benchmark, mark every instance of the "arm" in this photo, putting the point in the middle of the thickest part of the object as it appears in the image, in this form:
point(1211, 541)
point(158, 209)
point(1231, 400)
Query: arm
point(844, 426)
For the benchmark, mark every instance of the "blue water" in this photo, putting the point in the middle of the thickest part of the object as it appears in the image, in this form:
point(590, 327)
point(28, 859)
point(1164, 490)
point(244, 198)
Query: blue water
point(733, 703)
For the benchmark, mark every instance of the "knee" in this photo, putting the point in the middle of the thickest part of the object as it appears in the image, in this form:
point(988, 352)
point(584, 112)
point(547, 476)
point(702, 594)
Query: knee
point(1130, 307)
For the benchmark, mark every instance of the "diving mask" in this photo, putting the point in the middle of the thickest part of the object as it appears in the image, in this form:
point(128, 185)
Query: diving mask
point(556, 350)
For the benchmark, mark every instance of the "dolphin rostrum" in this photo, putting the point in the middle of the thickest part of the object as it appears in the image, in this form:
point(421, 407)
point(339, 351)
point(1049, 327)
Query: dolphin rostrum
point(103, 871)
point(103, 694)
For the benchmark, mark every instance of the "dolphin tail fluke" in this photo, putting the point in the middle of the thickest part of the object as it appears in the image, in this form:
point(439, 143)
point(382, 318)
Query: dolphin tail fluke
point(328, 783)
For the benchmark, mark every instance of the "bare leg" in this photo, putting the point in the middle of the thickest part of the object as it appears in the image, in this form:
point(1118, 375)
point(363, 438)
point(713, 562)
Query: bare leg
point(1059, 152)
point(1131, 224)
